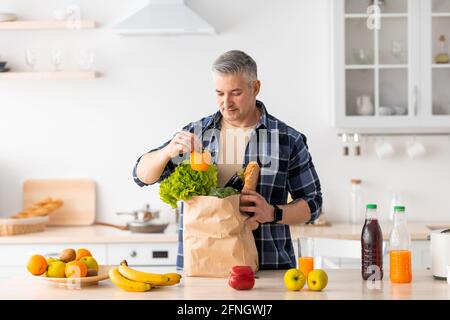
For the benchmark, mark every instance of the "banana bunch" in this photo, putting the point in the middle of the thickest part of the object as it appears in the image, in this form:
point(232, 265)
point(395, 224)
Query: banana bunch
point(129, 279)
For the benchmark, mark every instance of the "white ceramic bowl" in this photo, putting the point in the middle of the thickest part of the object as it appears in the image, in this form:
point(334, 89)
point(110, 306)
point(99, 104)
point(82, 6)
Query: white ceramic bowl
point(399, 110)
point(385, 111)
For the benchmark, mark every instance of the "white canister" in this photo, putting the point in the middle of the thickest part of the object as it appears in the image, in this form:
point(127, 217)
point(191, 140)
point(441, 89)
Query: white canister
point(448, 274)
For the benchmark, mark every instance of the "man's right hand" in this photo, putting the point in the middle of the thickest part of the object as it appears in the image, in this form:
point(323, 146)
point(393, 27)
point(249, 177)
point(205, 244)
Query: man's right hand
point(183, 142)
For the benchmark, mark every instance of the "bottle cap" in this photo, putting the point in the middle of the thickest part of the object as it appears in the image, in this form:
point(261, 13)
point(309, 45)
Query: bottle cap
point(371, 206)
point(399, 209)
point(356, 181)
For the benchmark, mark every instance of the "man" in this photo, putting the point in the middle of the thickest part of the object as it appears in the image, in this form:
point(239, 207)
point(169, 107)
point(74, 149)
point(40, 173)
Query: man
point(281, 151)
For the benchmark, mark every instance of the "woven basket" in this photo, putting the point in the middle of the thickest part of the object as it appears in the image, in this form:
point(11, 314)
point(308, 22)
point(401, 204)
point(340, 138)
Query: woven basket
point(10, 227)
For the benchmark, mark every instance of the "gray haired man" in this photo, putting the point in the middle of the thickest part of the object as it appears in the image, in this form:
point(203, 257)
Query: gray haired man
point(281, 151)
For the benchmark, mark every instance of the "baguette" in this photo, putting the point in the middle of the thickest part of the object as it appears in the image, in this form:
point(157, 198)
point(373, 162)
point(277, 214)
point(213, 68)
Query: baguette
point(251, 176)
point(40, 208)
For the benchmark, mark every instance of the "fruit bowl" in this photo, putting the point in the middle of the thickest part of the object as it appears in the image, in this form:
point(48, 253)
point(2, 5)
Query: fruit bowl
point(78, 282)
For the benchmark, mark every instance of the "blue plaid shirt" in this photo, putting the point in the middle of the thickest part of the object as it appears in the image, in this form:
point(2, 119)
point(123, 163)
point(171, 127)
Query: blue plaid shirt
point(286, 168)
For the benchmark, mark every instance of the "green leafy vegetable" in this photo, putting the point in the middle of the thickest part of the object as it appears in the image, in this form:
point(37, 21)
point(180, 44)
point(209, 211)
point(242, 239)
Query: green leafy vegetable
point(223, 192)
point(185, 183)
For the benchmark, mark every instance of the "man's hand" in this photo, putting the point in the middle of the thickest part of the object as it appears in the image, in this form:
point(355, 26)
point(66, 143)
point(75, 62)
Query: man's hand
point(261, 211)
point(183, 142)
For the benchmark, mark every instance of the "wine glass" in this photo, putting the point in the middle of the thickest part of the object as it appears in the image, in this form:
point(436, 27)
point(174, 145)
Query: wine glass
point(86, 60)
point(30, 58)
point(397, 50)
point(56, 58)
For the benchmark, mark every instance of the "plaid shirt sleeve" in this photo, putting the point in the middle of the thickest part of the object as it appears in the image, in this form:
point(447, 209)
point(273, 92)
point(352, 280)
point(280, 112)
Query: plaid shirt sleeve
point(168, 169)
point(303, 181)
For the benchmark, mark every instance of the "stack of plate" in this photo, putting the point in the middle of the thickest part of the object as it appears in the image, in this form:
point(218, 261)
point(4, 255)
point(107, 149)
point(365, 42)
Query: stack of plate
point(4, 17)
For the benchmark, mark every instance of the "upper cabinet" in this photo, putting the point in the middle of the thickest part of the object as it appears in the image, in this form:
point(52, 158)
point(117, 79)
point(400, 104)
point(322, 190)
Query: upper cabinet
point(391, 71)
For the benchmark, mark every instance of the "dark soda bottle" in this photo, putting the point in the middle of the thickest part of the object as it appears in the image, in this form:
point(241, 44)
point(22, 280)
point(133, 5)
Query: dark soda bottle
point(371, 246)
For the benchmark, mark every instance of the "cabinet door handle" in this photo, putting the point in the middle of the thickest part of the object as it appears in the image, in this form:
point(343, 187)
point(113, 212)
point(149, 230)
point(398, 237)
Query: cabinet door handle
point(160, 254)
point(133, 254)
point(415, 100)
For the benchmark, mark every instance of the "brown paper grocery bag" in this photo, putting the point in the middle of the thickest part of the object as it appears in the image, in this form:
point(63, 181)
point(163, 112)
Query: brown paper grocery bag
point(215, 237)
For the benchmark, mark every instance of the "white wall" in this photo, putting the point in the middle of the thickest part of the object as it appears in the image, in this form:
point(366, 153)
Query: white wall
point(152, 86)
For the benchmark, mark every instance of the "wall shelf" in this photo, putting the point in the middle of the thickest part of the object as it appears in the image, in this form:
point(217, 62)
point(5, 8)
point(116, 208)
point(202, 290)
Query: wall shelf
point(382, 15)
point(371, 66)
point(45, 25)
point(359, 66)
point(59, 75)
point(441, 66)
point(441, 15)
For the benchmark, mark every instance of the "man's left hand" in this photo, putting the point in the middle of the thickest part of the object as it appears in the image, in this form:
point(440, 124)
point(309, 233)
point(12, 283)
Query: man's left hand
point(262, 211)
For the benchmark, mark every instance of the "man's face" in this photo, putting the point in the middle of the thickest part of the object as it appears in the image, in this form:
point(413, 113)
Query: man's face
point(235, 96)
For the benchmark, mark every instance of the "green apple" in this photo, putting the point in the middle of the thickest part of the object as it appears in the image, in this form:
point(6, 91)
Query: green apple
point(317, 280)
point(56, 269)
point(90, 263)
point(51, 259)
point(294, 279)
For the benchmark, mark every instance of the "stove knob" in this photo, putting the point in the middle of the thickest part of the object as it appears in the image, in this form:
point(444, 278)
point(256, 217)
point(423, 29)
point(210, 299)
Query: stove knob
point(133, 254)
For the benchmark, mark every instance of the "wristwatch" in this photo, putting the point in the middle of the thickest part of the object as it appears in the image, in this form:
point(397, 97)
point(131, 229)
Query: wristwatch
point(277, 213)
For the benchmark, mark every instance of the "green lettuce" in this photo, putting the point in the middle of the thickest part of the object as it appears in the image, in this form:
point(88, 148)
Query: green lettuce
point(184, 183)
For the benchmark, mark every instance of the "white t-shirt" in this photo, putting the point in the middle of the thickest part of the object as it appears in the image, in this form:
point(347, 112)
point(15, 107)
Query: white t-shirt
point(232, 144)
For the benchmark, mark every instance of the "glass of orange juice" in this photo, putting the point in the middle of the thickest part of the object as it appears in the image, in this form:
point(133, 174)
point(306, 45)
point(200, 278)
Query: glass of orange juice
point(305, 255)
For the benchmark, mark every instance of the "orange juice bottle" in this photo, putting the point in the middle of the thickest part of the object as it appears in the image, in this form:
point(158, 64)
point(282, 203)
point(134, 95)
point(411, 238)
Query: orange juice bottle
point(399, 249)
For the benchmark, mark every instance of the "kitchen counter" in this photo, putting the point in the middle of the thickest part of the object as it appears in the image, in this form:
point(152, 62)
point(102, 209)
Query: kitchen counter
point(343, 284)
point(417, 230)
point(90, 234)
point(102, 234)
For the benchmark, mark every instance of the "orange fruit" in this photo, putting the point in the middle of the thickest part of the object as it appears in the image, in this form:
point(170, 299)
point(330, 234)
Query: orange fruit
point(37, 265)
point(76, 269)
point(83, 253)
point(200, 161)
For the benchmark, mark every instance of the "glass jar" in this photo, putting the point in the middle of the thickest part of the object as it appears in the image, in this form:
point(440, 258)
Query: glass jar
point(356, 210)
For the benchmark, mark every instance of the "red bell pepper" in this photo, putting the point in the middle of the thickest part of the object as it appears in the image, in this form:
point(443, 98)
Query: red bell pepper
point(241, 278)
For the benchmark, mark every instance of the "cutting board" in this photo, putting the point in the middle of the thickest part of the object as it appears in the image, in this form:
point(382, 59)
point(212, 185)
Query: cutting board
point(79, 198)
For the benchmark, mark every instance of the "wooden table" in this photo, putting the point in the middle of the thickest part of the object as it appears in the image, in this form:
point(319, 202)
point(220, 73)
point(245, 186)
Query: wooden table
point(343, 284)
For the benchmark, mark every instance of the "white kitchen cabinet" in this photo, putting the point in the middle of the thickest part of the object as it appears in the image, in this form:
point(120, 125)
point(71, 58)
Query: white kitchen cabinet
point(142, 254)
point(18, 254)
point(139, 254)
point(386, 60)
point(15, 256)
point(338, 253)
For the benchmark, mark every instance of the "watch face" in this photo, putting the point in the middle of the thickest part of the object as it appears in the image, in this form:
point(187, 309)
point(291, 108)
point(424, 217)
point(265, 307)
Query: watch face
point(278, 214)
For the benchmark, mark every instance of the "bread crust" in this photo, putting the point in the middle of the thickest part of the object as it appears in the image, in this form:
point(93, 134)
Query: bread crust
point(251, 176)
point(41, 208)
